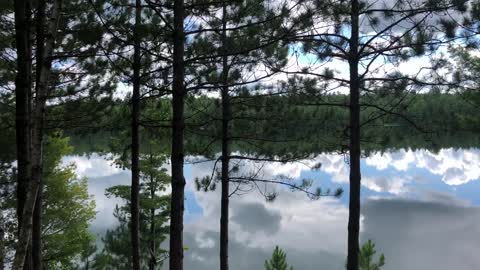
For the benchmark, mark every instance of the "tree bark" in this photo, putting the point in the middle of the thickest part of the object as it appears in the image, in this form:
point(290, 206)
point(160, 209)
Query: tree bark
point(135, 207)
point(22, 102)
point(46, 44)
point(177, 156)
point(153, 259)
point(36, 247)
point(355, 175)
point(26, 229)
point(23, 84)
point(224, 212)
point(2, 242)
point(40, 81)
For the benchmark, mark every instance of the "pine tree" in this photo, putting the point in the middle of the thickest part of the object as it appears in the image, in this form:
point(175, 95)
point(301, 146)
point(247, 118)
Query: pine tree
point(278, 261)
point(226, 54)
point(135, 146)
point(153, 211)
point(178, 127)
point(135, 59)
point(365, 37)
point(366, 256)
point(241, 48)
point(49, 77)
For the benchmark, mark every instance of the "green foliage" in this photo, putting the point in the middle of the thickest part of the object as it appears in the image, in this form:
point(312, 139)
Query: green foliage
point(276, 115)
point(154, 214)
point(68, 208)
point(366, 257)
point(252, 42)
point(278, 261)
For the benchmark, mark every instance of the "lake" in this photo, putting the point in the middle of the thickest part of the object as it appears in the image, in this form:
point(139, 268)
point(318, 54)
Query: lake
point(421, 208)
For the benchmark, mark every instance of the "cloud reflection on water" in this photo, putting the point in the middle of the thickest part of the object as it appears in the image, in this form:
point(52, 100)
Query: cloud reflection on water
point(417, 224)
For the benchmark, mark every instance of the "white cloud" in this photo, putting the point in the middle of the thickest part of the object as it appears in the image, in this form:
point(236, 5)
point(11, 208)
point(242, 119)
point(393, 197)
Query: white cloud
point(300, 217)
point(393, 185)
point(456, 167)
point(92, 166)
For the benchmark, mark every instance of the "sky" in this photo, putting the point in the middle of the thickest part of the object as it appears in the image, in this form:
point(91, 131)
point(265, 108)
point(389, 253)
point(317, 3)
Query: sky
point(419, 207)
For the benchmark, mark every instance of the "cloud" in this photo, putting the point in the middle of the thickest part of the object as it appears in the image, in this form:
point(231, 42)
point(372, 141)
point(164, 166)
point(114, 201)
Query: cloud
point(254, 217)
point(243, 258)
point(456, 167)
point(92, 166)
point(304, 228)
point(101, 174)
point(419, 235)
point(314, 232)
point(400, 160)
point(436, 231)
point(104, 206)
point(442, 198)
point(394, 185)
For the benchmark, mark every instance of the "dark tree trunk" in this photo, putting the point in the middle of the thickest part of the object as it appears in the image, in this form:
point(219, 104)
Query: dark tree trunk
point(177, 157)
point(37, 258)
point(135, 207)
point(22, 101)
point(153, 259)
point(225, 149)
point(28, 265)
point(23, 84)
point(224, 212)
point(38, 118)
point(2, 243)
point(26, 229)
point(355, 175)
point(36, 248)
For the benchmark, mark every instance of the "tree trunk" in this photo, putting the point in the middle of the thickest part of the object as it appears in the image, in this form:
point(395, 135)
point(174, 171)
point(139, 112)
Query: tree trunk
point(355, 175)
point(177, 156)
point(22, 102)
point(45, 47)
point(28, 265)
point(36, 246)
point(23, 83)
point(225, 149)
point(135, 207)
point(153, 259)
point(26, 229)
point(2, 242)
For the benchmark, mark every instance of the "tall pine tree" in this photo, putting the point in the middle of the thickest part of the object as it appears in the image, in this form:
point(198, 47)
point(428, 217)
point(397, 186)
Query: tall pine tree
point(370, 39)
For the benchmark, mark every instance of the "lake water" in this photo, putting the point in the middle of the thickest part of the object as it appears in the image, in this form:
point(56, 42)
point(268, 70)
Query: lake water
point(420, 208)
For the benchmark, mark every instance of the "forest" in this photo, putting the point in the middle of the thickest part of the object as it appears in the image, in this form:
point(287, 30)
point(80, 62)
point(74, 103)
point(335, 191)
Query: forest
point(154, 87)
